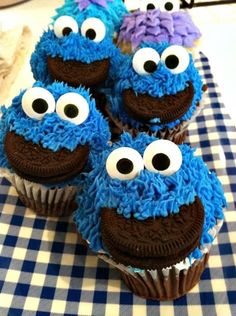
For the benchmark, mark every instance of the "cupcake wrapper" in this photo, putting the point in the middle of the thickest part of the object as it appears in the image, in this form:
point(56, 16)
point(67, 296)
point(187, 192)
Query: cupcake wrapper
point(176, 134)
point(44, 201)
point(166, 284)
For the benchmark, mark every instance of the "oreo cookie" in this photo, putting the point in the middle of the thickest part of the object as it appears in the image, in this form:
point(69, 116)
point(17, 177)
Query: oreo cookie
point(168, 108)
point(35, 163)
point(154, 243)
point(76, 73)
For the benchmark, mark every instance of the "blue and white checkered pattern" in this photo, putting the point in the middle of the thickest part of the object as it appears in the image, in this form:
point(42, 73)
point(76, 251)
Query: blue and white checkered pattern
point(44, 270)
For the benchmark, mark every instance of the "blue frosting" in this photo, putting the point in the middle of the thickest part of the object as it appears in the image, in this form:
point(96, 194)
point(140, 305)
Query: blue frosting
point(112, 14)
point(161, 82)
point(149, 194)
point(52, 132)
point(71, 47)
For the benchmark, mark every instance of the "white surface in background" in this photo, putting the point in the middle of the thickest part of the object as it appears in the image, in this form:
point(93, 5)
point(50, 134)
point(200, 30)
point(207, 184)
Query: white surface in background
point(217, 24)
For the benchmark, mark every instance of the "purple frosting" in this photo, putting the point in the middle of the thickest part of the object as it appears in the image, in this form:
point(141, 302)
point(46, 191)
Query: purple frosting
point(83, 4)
point(156, 26)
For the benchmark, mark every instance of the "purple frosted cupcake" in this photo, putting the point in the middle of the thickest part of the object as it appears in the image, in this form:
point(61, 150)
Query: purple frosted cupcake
point(158, 25)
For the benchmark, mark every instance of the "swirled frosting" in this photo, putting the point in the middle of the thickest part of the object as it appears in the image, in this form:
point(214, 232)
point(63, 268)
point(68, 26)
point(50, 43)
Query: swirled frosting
point(156, 26)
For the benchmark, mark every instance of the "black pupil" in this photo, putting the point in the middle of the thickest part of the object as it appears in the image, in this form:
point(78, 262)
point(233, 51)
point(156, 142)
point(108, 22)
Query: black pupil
point(161, 162)
point(150, 6)
point(172, 61)
point(150, 66)
point(71, 110)
point(124, 166)
point(66, 31)
point(91, 34)
point(168, 6)
point(40, 106)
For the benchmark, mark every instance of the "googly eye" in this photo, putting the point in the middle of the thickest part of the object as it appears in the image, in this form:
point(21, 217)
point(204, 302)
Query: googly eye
point(124, 163)
point(175, 58)
point(169, 5)
point(94, 29)
point(162, 156)
point(72, 107)
point(147, 5)
point(145, 61)
point(36, 102)
point(65, 25)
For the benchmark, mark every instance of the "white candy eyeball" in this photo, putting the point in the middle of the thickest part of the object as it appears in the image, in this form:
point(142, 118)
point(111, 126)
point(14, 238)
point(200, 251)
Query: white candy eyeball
point(124, 163)
point(169, 5)
point(145, 61)
point(146, 5)
point(132, 5)
point(65, 25)
point(175, 58)
point(72, 107)
point(162, 156)
point(36, 102)
point(94, 29)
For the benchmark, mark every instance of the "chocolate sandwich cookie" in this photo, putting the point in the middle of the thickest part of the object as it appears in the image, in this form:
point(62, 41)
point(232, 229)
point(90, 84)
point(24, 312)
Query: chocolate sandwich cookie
point(76, 73)
point(154, 243)
point(35, 163)
point(168, 108)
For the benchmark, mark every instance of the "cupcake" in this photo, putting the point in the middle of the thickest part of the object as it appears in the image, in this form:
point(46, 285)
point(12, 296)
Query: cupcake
point(157, 90)
point(152, 210)
point(77, 50)
point(158, 22)
point(46, 137)
point(111, 11)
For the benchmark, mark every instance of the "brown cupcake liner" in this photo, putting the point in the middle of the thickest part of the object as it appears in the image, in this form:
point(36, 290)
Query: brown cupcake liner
point(41, 199)
point(162, 288)
point(164, 284)
point(176, 134)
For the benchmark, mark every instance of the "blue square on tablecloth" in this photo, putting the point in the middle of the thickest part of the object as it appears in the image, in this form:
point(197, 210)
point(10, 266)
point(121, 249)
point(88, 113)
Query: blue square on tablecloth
point(81, 250)
point(153, 303)
point(77, 271)
point(48, 292)
point(126, 298)
point(225, 249)
point(231, 297)
point(22, 289)
point(53, 269)
point(43, 314)
point(229, 272)
point(19, 203)
point(224, 228)
point(100, 297)
point(17, 220)
point(62, 227)
point(207, 298)
point(57, 247)
point(73, 295)
point(4, 262)
point(181, 301)
point(15, 312)
point(10, 241)
point(102, 273)
point(1, 285)
point(3, 198)
point(230, 170)
point(28, 266)
point(39, 223)
point(206, 274)
point(34, 244)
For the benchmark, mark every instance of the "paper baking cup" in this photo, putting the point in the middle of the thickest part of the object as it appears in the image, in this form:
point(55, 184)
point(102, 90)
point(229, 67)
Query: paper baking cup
point(165, 284)
point(176, 134)
point(41, 199)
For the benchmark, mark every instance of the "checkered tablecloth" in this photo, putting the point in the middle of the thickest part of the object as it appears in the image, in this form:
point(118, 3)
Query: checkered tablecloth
point(44, 270)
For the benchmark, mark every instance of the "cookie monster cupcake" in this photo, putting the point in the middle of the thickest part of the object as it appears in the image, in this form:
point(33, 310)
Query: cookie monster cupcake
point(158, 90)
point(151, 209)
point(46, 137)
point(156, 22)
point(111, 11)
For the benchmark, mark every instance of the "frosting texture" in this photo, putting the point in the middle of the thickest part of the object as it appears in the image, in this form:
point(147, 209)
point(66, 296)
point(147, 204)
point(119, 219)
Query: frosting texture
point(156, 26)
point(158, 84)
point(52, 132)
point(149, 194)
